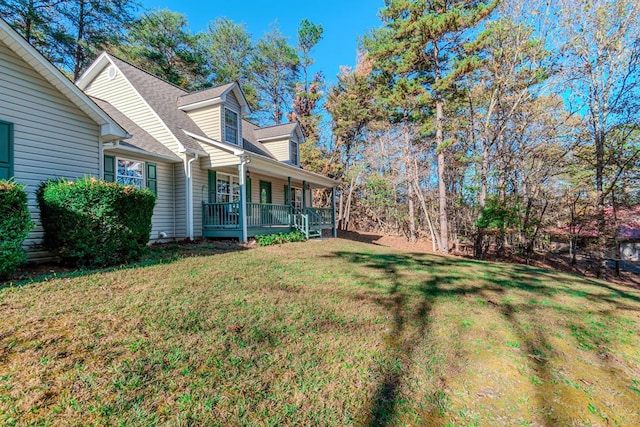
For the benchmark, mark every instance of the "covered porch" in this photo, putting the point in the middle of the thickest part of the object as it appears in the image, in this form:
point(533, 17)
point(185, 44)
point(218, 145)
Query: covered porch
point(224, 220)
point(265, 197)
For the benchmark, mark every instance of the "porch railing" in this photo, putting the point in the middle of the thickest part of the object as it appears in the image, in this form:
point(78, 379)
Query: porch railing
point(221, 215)
point(301, 223)
point(268, 215)
point(325, 215)
point(227, 216)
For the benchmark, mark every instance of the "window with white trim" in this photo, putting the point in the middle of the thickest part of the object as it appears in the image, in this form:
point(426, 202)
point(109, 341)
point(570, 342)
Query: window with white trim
point(293, 148)
point(227, 188)
point(231, 126)
point(130, 172)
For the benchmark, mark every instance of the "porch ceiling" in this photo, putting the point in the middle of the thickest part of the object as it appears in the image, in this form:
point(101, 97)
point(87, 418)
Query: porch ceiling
point(274, 168)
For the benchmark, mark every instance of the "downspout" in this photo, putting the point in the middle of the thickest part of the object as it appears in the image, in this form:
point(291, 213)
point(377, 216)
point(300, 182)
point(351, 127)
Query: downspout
point(190, 197)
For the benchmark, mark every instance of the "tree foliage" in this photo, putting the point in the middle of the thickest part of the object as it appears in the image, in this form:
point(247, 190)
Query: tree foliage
point(160, 43)
point(229, 48)
point(274, 64)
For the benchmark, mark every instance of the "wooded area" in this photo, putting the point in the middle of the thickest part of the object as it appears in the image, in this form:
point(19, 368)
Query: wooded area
point(484, 126)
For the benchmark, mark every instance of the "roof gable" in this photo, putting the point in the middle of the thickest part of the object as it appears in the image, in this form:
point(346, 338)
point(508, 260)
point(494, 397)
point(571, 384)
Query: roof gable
point(109, 128)
point(212, 96)
point(159, 95)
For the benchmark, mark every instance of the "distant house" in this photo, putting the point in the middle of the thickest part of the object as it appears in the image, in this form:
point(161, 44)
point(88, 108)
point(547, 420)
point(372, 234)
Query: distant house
point(214, 173)
point(48, 127)
point(624, 224)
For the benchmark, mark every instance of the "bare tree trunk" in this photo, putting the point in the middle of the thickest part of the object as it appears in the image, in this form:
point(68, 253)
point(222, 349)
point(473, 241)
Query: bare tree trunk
point(412, 214)
point(434, 238)
point(482, 197)
point(599, 146)
point(534, 236)
point(442, 186)
point(348, 204)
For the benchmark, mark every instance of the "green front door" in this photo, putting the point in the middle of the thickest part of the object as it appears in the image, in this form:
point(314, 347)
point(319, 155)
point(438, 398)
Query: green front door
point(265, 198)
point(265, 192)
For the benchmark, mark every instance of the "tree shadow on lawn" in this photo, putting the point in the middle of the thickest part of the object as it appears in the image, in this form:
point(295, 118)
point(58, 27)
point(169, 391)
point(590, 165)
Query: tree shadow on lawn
point(166, 253)
point(448, 278)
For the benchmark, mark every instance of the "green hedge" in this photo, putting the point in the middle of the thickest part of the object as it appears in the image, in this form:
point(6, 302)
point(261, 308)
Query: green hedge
point(15, 225)
point(91, 223)
point(277, 239)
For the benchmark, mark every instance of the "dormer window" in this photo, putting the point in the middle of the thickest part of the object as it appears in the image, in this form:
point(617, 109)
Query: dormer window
point(230, 126)
point(293, 149)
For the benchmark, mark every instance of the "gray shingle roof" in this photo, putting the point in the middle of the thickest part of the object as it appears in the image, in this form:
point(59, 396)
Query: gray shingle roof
point(202, 95)
point(165, 98)
point(162, 96)
point(250, 142)
point(273, 131)
point(140, 138)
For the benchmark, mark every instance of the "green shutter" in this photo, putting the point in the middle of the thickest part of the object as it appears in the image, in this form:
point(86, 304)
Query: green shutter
point(110, 168)
point(6, 150)
point(212, 186)
point(152, 177)
point(287, 201)
point(248, 190)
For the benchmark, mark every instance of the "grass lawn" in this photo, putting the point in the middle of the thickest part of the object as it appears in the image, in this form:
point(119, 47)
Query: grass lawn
point(320, 333)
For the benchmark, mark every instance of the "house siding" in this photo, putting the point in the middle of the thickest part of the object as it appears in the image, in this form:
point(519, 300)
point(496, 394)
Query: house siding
point(180, 197)
point(163, 213)
point(171, 211)
point(279, 149)
point(52, 136)
point(122, 95)
point(218, 158)
point(200, 193)
point(232, 102)
point(163, 219)
point(209, 120)
point(277, 188)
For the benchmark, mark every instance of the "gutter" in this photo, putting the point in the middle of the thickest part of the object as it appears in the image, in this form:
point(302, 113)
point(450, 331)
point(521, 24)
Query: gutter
point(136, 151)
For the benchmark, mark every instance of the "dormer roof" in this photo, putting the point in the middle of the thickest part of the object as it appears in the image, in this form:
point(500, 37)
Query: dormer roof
point(285, 130)
point(212, 96)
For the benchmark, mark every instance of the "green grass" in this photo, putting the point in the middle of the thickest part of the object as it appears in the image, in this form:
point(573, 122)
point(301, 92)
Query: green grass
point(319, 333)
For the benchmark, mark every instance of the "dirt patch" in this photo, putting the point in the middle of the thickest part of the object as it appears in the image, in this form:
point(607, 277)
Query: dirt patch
point(584, 267)
point(395, 242)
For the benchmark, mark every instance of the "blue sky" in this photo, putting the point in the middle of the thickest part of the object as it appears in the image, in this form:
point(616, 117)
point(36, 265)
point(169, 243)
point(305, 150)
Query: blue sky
point(343, 21)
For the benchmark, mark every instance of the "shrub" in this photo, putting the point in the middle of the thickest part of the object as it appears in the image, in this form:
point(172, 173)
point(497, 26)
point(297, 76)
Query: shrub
point(277, 239)
point(15, 225)
point(92, 223)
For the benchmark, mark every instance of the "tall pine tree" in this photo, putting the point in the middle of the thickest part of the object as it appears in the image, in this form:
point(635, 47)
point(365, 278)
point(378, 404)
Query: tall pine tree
point(415, 49)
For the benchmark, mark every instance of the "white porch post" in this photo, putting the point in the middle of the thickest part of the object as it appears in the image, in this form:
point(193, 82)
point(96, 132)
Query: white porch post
point(242, 177)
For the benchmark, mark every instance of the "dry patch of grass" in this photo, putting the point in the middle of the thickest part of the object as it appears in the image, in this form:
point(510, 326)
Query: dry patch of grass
point(320, 333)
